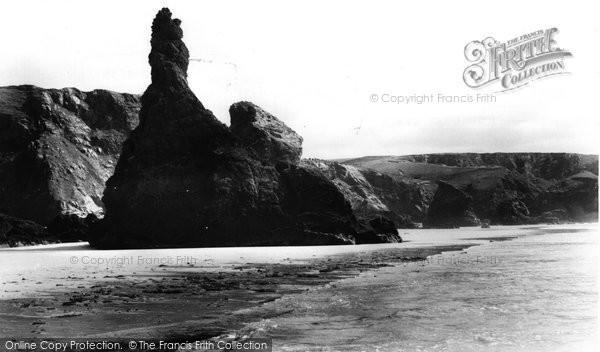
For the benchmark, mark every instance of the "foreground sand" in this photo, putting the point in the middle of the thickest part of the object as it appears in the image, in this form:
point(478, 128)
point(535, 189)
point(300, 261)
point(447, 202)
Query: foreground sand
point(73, 291)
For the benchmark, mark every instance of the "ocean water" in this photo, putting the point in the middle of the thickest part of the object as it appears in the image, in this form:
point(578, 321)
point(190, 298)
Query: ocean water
point(536, 292)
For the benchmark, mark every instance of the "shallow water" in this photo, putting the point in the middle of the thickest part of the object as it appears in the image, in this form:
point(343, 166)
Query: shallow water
point(515, 289)
point(31, 272)
point(533, 293)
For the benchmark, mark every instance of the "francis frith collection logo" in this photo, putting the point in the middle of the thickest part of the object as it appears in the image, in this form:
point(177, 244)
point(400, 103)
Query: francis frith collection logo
point(516, 62)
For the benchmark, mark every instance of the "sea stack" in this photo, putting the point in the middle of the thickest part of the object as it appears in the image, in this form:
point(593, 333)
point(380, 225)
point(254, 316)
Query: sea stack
point(185, 179)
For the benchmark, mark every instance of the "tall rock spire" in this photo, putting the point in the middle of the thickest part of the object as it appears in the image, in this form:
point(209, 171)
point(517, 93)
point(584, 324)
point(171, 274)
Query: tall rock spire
point(169, 57)
point(186, 179)
point(172, 119)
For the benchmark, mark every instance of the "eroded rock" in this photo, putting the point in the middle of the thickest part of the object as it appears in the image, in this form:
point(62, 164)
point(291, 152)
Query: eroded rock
point(58, 147)
point(186, 179)
point(16, 232)
point(270, 138)
point(451, 207)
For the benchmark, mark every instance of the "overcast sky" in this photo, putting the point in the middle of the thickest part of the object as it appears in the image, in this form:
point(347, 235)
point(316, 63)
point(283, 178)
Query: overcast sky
point(315, 65)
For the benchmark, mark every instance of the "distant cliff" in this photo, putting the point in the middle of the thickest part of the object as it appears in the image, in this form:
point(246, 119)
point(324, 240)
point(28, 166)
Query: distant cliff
point(542, 165)
point(504, 188)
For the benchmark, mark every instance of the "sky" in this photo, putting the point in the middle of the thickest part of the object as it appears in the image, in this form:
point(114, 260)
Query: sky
point(317, 65)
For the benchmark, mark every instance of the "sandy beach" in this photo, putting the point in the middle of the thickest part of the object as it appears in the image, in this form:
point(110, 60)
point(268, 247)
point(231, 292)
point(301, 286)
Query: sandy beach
point(70, 290)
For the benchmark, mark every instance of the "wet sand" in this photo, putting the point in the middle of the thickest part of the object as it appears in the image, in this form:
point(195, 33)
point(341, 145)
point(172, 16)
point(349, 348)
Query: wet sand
point(175, 302)
point(214, 293)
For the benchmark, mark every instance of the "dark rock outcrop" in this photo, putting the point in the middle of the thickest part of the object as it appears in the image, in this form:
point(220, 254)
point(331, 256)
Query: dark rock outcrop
point(451, 207)
point(185, 179)
point(271, 139)
point(58, 147)
point(16, 232)
point(71, 227)
point(512, 211)
point(556, 216)
point(576, 196)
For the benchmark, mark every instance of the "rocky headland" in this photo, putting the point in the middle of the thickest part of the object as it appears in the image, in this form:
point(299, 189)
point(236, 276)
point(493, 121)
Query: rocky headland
point(186, 179)
point(159, 170)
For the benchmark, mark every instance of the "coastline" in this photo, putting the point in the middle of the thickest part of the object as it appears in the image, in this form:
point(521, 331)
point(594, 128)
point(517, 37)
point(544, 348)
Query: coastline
point(203, 299)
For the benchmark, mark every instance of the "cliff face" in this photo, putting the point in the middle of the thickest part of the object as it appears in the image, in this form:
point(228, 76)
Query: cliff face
point(505, 188)
point(542, 165)
point(375, 195)
point(450, 207)
point(185, 179)
point(58, 147)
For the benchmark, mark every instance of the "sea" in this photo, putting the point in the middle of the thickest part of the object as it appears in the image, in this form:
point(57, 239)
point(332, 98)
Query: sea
point(534, 290)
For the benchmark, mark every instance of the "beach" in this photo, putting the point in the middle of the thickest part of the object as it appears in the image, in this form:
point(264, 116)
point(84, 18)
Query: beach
point(70, 290)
